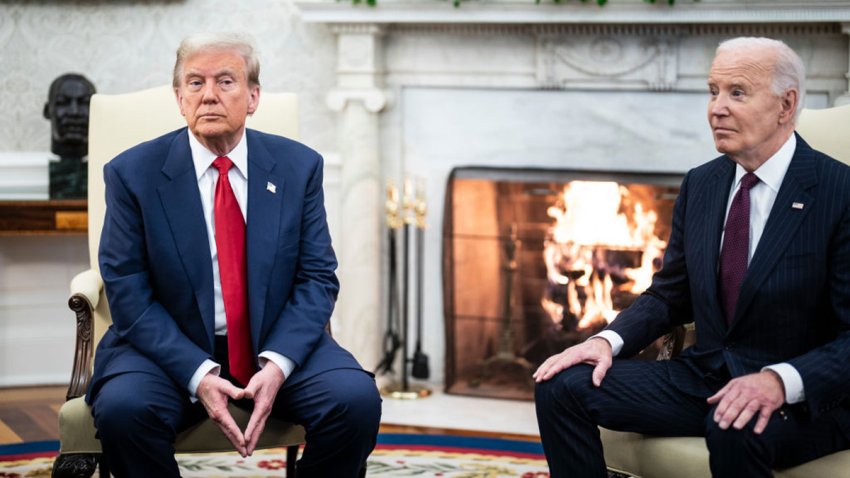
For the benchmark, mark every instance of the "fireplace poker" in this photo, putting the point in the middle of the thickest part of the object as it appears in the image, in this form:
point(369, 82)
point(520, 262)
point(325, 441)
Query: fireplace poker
point(392, 342)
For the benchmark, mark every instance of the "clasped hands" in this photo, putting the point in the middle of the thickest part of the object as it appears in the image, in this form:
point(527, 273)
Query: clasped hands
point(737, 402)
point(215, 392)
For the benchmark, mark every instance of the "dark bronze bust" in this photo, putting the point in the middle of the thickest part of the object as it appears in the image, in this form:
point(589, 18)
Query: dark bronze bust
point(67, 108)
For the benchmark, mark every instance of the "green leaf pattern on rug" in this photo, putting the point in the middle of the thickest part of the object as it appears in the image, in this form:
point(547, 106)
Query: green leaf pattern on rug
point(452, 470)
point(211, 463)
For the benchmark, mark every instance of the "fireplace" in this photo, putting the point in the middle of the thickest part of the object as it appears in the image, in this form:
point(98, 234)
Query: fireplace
point(535, 260)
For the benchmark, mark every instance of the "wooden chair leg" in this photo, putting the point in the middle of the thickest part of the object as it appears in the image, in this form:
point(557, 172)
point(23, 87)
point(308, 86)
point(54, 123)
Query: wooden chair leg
point(291, 457)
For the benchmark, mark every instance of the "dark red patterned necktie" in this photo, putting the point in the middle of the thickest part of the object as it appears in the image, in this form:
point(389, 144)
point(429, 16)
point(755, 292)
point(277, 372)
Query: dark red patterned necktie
point(233, 273)
point(736, 247)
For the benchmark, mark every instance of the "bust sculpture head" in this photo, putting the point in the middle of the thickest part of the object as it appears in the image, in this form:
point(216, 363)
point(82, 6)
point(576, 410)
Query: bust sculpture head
point(67, 108)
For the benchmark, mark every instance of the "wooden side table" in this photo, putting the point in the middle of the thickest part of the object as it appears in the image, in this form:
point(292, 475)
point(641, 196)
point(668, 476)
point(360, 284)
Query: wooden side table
point(54, 217)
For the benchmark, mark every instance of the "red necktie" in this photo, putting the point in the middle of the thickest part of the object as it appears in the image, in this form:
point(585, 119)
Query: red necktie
point(233, 272)
point(736, 247)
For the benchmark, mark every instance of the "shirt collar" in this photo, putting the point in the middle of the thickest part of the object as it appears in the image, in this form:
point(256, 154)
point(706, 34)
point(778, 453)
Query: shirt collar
point(772, 171)
point(203, 158)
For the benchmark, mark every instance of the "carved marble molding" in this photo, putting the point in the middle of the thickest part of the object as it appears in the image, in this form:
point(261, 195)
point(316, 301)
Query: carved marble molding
point(625, 11)
point(735, 29)
point(623, 61)
point(373, 99)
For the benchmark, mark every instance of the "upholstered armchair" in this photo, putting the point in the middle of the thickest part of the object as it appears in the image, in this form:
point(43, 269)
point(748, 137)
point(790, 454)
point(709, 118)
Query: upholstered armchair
point(116, 123)
point(826, 130)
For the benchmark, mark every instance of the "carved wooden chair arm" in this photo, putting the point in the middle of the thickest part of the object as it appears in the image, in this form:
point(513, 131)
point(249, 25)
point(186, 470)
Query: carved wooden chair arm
point(673, 343)
point(85, 294)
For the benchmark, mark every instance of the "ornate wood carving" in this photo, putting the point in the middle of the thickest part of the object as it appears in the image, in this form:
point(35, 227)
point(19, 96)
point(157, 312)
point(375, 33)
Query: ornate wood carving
point(75, 465)
point(81, 372)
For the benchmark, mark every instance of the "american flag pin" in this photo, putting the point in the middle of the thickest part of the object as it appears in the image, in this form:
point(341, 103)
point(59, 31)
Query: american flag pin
point(273, 189)
point(797, 205)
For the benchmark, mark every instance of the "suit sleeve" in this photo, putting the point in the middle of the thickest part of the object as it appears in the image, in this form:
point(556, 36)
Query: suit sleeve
point(824, 369)
point(137, 317)
point(667, 302)
point(311, 301)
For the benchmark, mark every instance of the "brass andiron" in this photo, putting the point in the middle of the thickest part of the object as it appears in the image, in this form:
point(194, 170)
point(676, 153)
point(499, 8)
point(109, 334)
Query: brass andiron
point(506, 365)
point(405, 390)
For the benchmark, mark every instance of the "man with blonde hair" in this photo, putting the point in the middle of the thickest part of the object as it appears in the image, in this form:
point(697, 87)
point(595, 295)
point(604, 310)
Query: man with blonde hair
point(759, 261)
point(219, 271)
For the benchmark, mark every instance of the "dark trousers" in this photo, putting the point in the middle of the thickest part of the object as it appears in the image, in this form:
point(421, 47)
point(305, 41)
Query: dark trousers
point(138, 417)
point(639, 396)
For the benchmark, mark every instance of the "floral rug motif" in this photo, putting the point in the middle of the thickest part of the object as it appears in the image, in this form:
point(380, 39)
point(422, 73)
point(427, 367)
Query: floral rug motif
point(397, 455)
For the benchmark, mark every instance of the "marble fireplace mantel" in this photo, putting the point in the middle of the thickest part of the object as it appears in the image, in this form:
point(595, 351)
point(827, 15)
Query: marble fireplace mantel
point(422, 86)
point(573, 11)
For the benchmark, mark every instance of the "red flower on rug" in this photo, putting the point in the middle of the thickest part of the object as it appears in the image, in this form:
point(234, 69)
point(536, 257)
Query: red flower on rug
point(271, 464)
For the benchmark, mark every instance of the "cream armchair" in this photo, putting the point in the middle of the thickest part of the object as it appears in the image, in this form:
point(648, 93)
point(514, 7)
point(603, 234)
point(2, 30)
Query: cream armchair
point(826, 130)
point(116, 123)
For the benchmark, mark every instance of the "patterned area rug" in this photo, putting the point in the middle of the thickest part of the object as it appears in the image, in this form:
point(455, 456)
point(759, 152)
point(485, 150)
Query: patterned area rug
point(397, 455)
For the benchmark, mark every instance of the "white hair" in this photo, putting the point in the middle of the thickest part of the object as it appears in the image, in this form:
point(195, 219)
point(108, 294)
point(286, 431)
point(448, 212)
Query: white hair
point(788, 70)
point(241, 43)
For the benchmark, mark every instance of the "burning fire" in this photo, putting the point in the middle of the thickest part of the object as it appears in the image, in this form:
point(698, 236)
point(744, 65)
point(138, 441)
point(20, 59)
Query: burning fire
point(602, 243)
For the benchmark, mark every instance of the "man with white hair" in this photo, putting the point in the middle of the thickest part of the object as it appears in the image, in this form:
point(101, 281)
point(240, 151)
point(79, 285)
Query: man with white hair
point(759, 260)
point(219, 271)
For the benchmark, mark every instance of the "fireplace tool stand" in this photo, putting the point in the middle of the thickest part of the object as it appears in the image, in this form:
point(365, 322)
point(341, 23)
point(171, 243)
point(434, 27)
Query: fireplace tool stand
point(411, 213)
point(506, 366)
point(392, 341)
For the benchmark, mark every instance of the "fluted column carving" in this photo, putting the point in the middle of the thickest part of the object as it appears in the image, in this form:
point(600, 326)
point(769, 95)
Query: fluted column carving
point(358, 100)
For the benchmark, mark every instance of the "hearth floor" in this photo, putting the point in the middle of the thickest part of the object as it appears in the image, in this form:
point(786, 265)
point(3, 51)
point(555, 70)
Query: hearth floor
point(462, 413)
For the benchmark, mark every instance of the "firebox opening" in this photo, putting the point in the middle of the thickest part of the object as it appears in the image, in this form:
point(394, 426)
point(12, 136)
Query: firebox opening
point(537, 260)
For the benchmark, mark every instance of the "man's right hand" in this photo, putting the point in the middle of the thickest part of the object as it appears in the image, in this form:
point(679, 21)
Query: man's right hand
point(213, 392)
point(596, 351)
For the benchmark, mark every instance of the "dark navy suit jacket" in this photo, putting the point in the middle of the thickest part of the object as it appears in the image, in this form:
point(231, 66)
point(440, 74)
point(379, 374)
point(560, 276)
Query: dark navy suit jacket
point(794, 304)
point(156, 266)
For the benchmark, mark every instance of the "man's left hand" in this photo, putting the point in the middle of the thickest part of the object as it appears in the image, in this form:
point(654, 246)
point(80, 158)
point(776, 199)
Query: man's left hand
point(743, 397)
point(262, 389)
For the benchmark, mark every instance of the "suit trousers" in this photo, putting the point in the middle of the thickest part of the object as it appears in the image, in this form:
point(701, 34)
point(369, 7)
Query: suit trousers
point(139, 415)
point(639, 396)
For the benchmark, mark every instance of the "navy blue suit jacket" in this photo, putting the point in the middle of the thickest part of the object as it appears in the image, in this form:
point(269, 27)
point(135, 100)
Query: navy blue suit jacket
point(156, 265)
point(794, 304)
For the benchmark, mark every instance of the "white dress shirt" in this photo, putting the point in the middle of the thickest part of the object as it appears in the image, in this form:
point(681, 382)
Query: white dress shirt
point(762, 196)
point(207, 177)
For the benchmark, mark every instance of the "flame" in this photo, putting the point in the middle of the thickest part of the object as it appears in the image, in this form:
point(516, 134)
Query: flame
point(592, 219)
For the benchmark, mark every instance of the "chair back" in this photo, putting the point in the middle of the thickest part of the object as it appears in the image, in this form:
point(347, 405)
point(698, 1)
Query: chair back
point(119, 122)
point(827, 131)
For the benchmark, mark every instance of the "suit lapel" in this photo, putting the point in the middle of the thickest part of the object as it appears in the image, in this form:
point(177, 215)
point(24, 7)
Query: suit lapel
point(265, 199)
point(782, 222)
point(716, 199)
point(181, 202)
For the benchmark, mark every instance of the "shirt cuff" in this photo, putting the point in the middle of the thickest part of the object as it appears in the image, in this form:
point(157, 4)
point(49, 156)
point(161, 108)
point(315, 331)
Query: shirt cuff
point(613, 338)
point(285, 364)
point(207, 366)
point(791, 380)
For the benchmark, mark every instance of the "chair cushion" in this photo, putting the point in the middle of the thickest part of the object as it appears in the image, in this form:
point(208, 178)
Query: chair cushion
point(77, 432)
point(660, 457)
